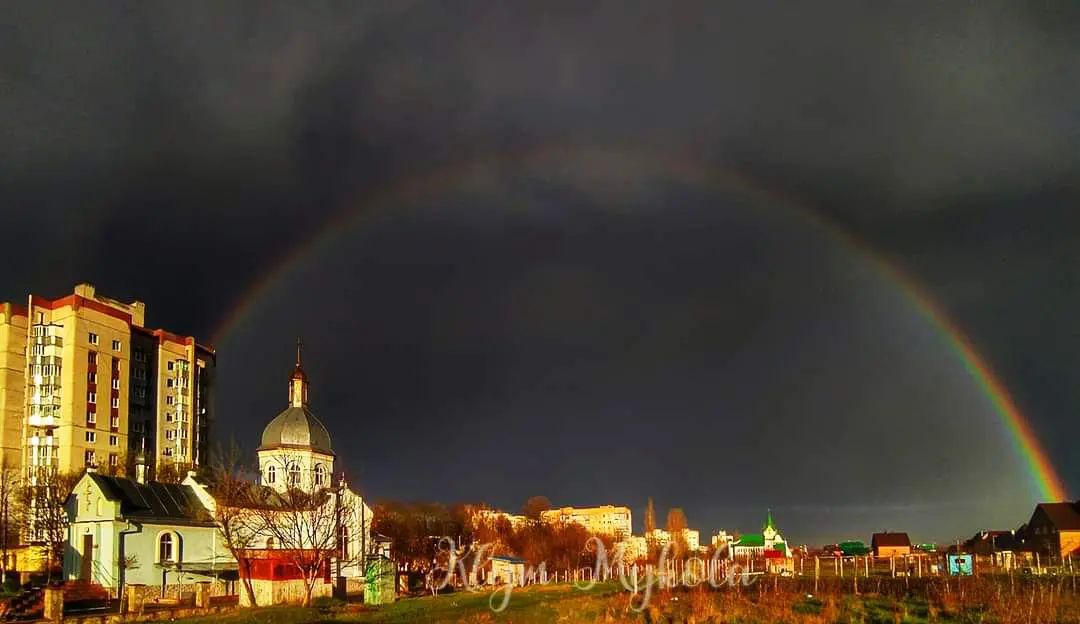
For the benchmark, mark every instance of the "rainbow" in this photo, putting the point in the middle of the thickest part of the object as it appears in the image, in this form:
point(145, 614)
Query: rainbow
point(552, 162)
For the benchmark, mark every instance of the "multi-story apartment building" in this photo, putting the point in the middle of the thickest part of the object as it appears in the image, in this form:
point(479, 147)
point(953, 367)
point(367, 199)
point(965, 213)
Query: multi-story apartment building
point(602, 520)
point(83, 382)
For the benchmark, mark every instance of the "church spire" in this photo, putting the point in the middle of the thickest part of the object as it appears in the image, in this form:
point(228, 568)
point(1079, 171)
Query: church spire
point(769, 521)
point(298, 383)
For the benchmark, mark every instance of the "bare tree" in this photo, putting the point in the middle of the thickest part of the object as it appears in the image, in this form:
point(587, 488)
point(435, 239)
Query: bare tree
point(535, 507)
point(307, 523)
point(46, 519)
point(10, 513)
point(235, 496)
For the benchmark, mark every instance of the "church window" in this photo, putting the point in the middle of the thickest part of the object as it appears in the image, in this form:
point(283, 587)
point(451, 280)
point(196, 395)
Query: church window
point(270, 543)
point(166, 548)
point(294, 474)
point(320, 474)
point(271, 474)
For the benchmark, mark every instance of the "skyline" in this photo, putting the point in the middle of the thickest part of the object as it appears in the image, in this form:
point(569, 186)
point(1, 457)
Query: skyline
point(820, 260)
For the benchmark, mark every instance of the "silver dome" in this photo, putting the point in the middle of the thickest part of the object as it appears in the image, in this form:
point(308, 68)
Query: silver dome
point(296, 427)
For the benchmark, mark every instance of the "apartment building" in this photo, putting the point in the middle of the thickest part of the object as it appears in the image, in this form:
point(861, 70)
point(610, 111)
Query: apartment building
point(83, 382)
point(603, 520)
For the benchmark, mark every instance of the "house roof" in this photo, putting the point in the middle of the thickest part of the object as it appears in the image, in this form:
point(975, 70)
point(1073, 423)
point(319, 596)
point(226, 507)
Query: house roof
point(1064, 516)
point(508, 559)
point(750, 539)
point(890, 540)
point(148, 502)
point(1001, 541)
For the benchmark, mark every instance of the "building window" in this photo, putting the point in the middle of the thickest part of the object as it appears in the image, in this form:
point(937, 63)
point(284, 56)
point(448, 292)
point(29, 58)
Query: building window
point(270, 543)
point(114, 422)
point(114, 459)
point(320, 474)
point(168, 400)
point(169, 365)
point(91, 357)
point(91, 418)
point(91, 378)
point(116, 345)
point(271, 474)
point(114, 440)
point(170, 434)
point(115, 384)
point(91, 436)
point(168, 416)
point(90, 458)
point(168, 383)
point(294, 474)
point(166, 548)
point(93, 338)
point(116, 402)
point(91, 397)
point(167, 451)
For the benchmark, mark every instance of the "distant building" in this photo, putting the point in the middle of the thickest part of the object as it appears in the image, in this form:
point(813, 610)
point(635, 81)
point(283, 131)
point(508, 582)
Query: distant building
point(1001, 546)
point(662, 537)
point(1054, 529)
point(492, 516)
point(722, 539)
point(890, 544)
point(635, 547)
point(84, 383)
point(602, 520)
point(759, 544)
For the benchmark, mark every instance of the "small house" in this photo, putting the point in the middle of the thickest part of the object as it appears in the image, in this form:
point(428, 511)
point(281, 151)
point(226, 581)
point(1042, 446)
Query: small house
point(890, 544)
point(1054, 529)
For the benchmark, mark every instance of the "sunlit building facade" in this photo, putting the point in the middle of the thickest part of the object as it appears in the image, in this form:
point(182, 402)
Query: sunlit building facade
point(602, 520)
point(83, 382)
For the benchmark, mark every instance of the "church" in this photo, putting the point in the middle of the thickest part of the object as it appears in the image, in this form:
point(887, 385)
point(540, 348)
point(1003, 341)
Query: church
point(296, 534)
point(768, 544)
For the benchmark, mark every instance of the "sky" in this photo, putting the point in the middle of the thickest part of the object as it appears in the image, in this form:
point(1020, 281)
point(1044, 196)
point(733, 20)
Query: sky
point(598, 253)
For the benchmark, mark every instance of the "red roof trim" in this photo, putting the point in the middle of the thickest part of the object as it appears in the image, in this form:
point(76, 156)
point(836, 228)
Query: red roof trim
point(76, 302)
point(15, 309)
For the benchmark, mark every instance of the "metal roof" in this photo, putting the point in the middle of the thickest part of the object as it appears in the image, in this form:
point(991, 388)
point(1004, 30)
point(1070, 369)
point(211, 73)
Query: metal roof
point(150, 502)
point(296, 427)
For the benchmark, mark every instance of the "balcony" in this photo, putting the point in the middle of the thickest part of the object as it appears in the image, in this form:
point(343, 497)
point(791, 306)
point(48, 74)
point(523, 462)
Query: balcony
point(43, 421)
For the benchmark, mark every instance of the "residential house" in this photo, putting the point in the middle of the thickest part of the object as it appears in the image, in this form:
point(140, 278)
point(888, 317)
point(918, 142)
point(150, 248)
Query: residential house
point(1000, 547)
point(1054, 529)
point(890, 544)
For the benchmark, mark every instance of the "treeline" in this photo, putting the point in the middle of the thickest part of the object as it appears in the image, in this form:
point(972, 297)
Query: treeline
point(419, 533)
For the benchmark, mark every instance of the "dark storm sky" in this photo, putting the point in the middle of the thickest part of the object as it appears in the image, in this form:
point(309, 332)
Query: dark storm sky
point(513, 291)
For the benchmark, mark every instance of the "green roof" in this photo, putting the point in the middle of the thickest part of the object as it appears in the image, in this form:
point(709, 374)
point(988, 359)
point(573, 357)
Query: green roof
point(751, 539)
point(769, 522)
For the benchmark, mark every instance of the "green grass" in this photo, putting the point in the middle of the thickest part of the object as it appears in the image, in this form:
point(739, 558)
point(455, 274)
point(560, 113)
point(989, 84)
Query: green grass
point(539, 604)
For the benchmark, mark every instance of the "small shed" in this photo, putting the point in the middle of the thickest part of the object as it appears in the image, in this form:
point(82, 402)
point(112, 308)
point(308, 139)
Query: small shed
point(891, 544)
point(504, 570)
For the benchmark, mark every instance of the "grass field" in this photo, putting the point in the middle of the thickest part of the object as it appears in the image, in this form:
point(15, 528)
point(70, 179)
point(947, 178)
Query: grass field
point(979, 600)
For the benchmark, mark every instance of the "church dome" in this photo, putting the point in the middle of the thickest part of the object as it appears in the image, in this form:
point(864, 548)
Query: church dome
point(296, 427)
